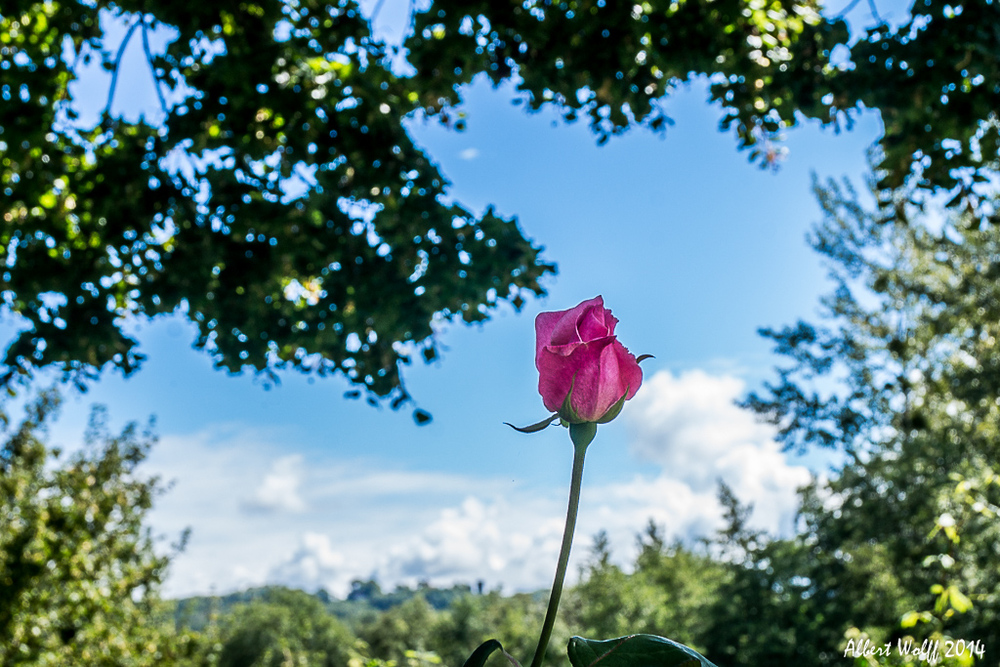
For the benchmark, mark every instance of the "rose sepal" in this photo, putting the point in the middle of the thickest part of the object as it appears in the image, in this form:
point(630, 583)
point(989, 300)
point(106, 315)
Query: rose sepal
point(615, 409)
point(567, 414)
point(534, 428)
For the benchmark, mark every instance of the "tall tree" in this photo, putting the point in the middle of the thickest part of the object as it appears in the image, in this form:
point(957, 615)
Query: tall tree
point(903, 378)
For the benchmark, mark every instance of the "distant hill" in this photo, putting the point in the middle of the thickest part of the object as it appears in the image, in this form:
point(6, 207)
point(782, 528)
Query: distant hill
point(365, 599)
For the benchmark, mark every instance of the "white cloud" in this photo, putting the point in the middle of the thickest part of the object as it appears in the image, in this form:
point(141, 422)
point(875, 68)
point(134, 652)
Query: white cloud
point(461, 539)
point(690, 426)
point(332, 520)
point(359, 510)
point(622, 510)
point(279, 490)
point(341, 481)
point(315, 564)
point(469, 154)
point(515, 544)
point(228, 548)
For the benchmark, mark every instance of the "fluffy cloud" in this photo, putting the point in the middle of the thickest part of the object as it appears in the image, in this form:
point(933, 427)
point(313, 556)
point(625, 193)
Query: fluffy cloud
point(496, 542)
point(622, 510)
point(228, 548)
point(315, 564)
point(691, 427)
point(279, 490)
point(462, 539)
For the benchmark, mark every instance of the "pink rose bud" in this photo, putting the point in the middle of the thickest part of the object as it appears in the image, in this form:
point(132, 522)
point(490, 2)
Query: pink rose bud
point(584, 373)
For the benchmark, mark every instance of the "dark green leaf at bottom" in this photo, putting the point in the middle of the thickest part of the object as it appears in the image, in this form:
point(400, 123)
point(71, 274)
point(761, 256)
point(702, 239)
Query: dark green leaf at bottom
point(479, 656)
point(634, 651)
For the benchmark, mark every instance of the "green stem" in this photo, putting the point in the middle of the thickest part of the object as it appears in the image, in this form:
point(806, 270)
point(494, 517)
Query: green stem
point(580, 450)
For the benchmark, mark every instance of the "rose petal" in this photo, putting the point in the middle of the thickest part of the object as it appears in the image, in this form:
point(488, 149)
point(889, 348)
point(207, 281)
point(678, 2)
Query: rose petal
point(629, 371)
point(605, 389)
point(592, 324)
point(545, 324)
point(581, 371)
point(555, 376)
point(595, 384)
point(568, 349)
point(566, 329)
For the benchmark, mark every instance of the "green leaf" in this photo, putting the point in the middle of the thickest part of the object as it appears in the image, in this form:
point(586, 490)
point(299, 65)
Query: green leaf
point(534, 428)
point(634, 651)
point(959, 601)
point(485, 650)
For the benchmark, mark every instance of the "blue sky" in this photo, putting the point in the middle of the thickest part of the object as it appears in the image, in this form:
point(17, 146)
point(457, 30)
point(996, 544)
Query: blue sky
point(693, 249)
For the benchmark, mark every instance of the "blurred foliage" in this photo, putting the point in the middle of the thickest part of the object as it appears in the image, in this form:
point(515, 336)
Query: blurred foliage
point(406, 627)
point(79, 575)
point(279, 202)
point(361, 604)
point(615, 61)
point(279, 626)
point(516, 619)
point(284, 628)
point(667, 594)
point(926, 636)
point(367, 595)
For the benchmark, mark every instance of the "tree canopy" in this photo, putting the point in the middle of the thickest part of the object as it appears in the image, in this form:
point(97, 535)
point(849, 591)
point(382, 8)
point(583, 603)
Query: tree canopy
point(282, 206)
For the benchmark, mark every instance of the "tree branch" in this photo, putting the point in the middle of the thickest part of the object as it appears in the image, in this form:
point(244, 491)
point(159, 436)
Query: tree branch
point(851, 5)
point(152, 68)
point(874, 10)
point(118, 62)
